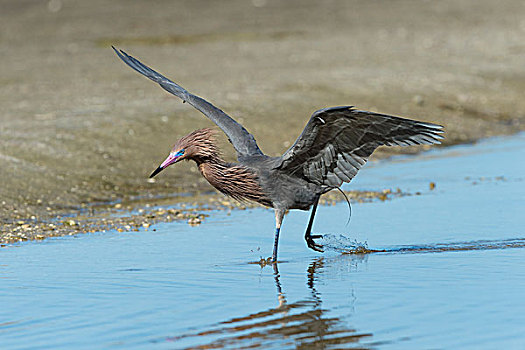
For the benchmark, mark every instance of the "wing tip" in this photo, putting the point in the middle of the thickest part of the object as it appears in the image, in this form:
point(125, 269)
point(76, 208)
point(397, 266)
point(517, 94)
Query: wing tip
point(436, 127)
point(331, 109)
point(119, 52)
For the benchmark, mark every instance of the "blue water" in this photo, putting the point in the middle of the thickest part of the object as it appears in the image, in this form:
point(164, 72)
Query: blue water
point(189, 287)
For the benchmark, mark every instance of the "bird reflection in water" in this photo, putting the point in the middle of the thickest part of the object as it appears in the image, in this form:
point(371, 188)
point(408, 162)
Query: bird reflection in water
point(303, 324)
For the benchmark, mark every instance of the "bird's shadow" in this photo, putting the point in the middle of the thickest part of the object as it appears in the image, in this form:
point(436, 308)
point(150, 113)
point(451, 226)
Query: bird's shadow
point(304, 323)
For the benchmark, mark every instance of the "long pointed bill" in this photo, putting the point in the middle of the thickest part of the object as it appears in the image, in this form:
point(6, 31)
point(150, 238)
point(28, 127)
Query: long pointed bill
point(172, 158)
point(158, 170)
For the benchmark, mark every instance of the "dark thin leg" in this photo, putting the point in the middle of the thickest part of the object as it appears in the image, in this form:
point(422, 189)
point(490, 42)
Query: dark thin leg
point(275, 244)
point(311, 222)
point(308, 236)
point(279, 215)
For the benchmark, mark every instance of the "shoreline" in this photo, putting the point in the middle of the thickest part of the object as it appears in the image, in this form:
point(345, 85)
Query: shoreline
point(141, 214)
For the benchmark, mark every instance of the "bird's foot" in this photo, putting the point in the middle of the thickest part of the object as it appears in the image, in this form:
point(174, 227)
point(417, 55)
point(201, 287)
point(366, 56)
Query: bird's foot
point(311, 243)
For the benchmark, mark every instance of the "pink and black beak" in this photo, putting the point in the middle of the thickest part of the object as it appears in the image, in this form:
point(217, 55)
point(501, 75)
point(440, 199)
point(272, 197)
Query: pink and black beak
point(172, 158)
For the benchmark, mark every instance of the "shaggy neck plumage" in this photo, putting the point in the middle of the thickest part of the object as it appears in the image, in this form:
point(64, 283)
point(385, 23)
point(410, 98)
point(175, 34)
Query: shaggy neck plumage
point(209, 158)
point(234, 180)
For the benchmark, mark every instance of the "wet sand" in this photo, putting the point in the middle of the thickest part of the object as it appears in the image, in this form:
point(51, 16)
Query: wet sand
point(80, 132)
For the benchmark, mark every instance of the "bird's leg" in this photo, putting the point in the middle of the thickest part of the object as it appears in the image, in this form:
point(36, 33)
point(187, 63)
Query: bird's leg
point(279, 215)
point(308, 235)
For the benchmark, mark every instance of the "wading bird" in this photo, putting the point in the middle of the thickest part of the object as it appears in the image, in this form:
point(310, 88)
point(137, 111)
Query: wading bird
point(333, 146)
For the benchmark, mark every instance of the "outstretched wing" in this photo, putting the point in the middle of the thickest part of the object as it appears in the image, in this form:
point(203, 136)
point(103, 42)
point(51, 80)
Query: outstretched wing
point(243, 142)
point(337, 142)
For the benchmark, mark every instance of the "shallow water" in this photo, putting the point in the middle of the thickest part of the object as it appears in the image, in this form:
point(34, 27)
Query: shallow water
point(447, 270)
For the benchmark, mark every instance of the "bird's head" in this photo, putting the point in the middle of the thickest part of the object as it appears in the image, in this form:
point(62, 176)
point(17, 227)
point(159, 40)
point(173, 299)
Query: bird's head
point(198, 145)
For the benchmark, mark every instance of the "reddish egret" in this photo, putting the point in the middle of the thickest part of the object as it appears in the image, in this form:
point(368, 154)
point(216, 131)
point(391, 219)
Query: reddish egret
point(333, 146)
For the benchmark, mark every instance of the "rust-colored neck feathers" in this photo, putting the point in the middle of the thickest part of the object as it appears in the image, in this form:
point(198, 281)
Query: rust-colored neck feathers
point(200, 146)
point(234, 180)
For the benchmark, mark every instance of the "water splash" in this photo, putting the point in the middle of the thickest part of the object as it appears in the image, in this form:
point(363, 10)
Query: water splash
point(455, 246)
point(344, 245)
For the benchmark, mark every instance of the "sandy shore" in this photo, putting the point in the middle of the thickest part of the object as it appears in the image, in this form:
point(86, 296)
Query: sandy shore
point(80, 132)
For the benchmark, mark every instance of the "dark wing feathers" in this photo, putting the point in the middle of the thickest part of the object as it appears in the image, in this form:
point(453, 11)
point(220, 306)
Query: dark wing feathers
point(243, 142)
point(337, 142)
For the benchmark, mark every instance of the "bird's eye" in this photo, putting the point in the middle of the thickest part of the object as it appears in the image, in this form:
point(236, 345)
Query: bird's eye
point(180, 153)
